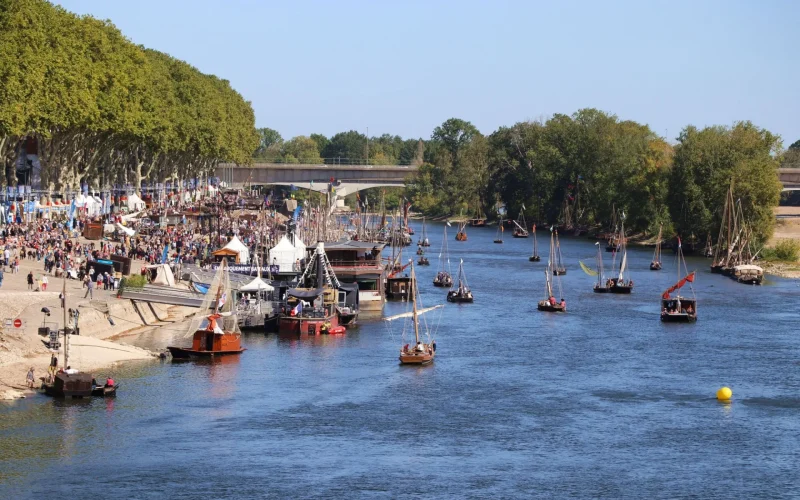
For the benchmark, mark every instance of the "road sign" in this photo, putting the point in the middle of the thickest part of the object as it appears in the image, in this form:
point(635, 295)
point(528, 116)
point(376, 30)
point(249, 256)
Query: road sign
point(7, 322)
point(17, 323)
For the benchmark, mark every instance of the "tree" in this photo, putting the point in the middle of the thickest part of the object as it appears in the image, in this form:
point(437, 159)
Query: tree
point(321, 141)
point(347, 147)
point(710, 160)
point(269, 143)
point(301, 149)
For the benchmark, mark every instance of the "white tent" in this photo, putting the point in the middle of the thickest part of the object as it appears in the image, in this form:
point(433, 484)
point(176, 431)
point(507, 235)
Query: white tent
point(135, 203)
point(88, 203)
point(164, 275)
point(237, 246)
point(284, 254)
point(257, 285)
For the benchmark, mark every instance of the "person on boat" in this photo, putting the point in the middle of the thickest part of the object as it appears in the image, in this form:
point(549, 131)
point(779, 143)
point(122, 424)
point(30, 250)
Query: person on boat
point(70, 371)
point(212, 323)
point(433, 346)
point(405, 348)
point(689, 309)
point(109, 382)
point(552, 300)
point(563, 304)
point(419, 347)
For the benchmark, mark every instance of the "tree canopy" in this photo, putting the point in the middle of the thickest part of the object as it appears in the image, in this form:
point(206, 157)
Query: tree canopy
point(104, 110)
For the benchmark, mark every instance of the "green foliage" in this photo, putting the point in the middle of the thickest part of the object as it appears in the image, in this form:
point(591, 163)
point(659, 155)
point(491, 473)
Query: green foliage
point(103, 108)
point(710, 160)
point(787, 250)
point(133, 281)
point(349, 146)
point(269, 143)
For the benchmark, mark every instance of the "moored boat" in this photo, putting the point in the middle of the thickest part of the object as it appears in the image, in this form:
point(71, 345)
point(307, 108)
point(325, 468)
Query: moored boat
point(680, 309)
point(535, 255)
point(549, 303)
point(460, 294)
point(443, 277)
point(558, 265)
point(498, 238)
point(655, 264)
point(221, 335)
point(619, 283)
point(520, 226)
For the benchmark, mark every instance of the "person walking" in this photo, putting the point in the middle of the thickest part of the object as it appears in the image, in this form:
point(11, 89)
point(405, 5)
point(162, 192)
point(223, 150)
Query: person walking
point(44, 282)
point(30, 280)
point(30, 378)
point(89, 288)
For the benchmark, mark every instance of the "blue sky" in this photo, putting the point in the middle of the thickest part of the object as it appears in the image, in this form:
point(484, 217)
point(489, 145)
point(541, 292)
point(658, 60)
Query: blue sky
point(405, 67)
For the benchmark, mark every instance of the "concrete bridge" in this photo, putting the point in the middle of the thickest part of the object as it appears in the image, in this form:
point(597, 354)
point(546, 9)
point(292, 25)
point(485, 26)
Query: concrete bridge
point(350, 178)
point(790, 178)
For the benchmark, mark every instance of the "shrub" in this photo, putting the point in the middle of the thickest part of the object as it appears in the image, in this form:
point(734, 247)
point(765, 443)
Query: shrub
point(135, 281)
point(788, 250)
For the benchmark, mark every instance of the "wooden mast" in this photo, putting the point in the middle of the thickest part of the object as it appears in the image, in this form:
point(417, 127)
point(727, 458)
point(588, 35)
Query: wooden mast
point(414, 302)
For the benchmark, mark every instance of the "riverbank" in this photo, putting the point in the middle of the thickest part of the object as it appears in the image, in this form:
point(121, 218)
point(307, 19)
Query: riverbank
point(105, 322)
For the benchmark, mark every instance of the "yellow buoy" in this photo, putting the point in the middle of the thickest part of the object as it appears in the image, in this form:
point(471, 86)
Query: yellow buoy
point(724, 394)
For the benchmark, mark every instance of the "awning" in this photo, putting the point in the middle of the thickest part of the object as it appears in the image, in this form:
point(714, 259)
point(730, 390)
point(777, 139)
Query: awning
point(305, 294)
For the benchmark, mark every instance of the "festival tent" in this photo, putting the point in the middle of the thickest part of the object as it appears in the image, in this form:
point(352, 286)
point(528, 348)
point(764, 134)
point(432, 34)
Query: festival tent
point(89, 204)
point(240, 248)
point(163, 276)
point(135, 203)
point(284, 254)
point(257, 285)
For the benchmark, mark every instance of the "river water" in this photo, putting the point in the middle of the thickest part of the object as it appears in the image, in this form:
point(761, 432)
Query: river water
point(605, 401)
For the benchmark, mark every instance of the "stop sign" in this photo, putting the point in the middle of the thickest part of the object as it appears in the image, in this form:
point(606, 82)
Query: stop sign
point(17, 323)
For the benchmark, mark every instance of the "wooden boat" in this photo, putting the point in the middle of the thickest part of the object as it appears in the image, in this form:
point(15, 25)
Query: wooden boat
point(67, 383)
point(655, 264)
point(748, 273)
point(619, 284)
point(423, 239)
point(105, 391)
point(461, 235)
point(499, 236)
point(535, 255)
point(602, 285)
point(443, 277)
point(397, 284)
point(221, 335)
point(549, 303)
point(423, 261)
point(521, 227)
point(422, 353)
point(479, 220)
point(558, 266)
point(460, 294)
point(680, 309)
point(724, 251)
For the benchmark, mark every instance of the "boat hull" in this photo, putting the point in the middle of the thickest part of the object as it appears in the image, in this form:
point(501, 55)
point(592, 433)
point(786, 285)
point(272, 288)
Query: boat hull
point(601, 289)
point(461, 237)
point(185, 353)
point(678, 318)
point(498, 241)
point(546, 306)
point(621, 289)
point(655, 266)
point(416, 358)
point(534, 258)
point(520, 235)
point(457, 299)
point(559, 272)
point(443, 283)
point(423, 262)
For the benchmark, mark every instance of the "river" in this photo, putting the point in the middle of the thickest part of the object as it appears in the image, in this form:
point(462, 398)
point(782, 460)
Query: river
point(604, 401)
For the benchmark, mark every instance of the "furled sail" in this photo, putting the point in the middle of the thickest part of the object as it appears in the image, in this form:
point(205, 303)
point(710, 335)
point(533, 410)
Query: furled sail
point(410, 313)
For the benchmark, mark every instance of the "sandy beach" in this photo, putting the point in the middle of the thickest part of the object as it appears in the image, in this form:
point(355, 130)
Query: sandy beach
point(100, 345)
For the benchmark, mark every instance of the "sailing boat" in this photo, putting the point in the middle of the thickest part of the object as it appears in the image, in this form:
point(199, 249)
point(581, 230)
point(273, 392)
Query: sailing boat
point(443, 277)
point(521, 231)
point(709, 250)
point(549, 304)
point(221, 334)
point(479, 220)
point(603, 285)
point(558, 268)
point(620, 284)
point(679, 309)
point(423, 239)
point(462, 294)
point(655, 264)
point(68, 382)
point(724, 248)
point(421, 353)
point(500, 229)
point(535, 256)
point(461, 235)
point(398, 286)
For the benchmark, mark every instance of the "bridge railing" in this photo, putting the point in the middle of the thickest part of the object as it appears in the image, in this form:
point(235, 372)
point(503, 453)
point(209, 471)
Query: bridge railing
point(337, 160)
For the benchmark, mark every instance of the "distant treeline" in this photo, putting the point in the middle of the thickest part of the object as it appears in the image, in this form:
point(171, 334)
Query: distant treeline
point(103, 110)
point(574, 169)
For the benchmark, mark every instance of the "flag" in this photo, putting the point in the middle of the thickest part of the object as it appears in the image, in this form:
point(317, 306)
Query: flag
point(298, 308)
point(523, 206)
point(690, 278)
point(679, 241)
point(448, 224)
point(222, 300)
point(587, 269)
point(165, 255)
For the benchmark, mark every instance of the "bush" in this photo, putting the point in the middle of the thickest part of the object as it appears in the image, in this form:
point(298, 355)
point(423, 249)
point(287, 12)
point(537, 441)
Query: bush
point(788, 250)
point(135, 281)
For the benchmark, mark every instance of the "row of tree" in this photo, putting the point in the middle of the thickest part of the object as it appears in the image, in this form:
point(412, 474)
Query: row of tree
point(577, 170)
point(105, 111)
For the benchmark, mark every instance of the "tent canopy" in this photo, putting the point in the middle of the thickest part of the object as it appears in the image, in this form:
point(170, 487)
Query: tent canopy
point(164, 275)
point(240, 248)
point(257, 285)
point(284, 254)
point(135, 203)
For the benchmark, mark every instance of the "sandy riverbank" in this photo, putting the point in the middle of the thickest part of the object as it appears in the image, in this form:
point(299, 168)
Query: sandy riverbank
point(100, 345)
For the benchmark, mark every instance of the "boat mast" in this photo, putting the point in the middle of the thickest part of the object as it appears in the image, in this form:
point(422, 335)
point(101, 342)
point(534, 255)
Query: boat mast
point(64, 308)
point(414, 302)
point(599, 265)
point(624, 259)
point(535, 245)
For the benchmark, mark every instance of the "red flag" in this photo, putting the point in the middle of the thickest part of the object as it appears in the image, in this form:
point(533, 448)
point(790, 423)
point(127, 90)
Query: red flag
point(690, 278)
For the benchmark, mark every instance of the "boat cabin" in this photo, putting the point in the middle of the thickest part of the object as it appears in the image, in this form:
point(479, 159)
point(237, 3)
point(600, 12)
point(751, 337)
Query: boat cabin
point(77, 385)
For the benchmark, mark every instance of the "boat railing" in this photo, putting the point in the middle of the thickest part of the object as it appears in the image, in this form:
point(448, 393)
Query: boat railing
point(356, 264)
